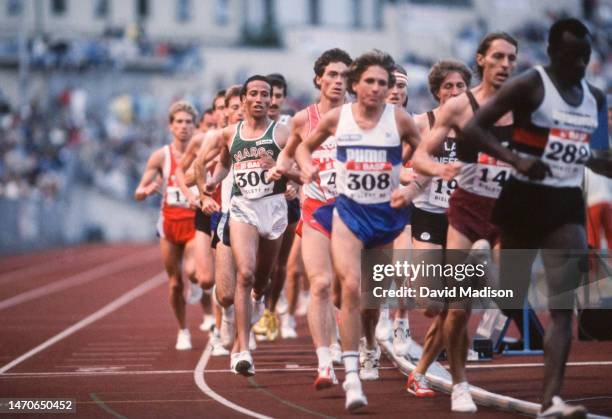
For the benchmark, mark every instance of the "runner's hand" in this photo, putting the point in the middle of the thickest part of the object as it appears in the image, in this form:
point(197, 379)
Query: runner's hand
point(399, 198)
point(534, 169)
point(208, 205)
point(310, 173)
point(291, 192)
point(450, 170)
point(193, 201)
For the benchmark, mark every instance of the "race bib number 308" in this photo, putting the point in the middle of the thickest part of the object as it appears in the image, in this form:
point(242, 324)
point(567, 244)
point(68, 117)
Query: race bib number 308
point(566, 153)
point(368, 183)
point(250, 177)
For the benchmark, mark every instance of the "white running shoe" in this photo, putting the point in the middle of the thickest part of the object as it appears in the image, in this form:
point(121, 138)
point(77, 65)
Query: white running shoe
point(217, 345)
point(207, 323)
point(369, 361)
point(252, 341)
point(228, 327)
point(384, 327)
point(559, 409)
point(325, 378)
point(355, 399)
point(282, 306)
point(194, 295)
point(401, 340)
point(233, 361)
point(244, 364)
point(183, 340)
point(258, 310)
point(461, 399)
point(336, 353)
point(288, 326)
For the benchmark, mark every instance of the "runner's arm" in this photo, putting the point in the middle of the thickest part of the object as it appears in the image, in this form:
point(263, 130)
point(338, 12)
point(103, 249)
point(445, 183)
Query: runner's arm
point(303, 155)
point(149, 183)
point(515, 95)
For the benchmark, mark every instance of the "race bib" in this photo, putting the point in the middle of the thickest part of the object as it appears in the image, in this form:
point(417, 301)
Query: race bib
point(176, 198)
point(327, 176)
point(566, 153)
point(250, 178)
point(440, 191)
point(491, 176)
point(368, 183)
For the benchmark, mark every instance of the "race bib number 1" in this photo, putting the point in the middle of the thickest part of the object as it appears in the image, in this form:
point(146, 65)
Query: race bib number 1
point(176, 198)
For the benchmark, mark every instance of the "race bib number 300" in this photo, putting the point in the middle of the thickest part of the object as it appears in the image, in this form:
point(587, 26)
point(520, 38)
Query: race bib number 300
point(566, 153)
point(368, 183)
point(250, 177)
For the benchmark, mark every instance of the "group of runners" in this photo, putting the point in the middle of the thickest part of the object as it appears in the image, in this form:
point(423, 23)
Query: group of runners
point(252, 197)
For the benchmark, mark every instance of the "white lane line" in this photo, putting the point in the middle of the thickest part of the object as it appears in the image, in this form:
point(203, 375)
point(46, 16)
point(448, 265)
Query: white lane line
point(78, 279)
point(146, 286)
point(539, 364)
point(198, 374)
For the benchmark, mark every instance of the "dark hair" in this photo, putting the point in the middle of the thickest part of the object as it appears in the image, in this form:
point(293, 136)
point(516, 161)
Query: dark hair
point(486, 42)
point(245, 86)
point(208, 111)
point(400, 69)
point(278, 80)
point(220, 93)
point(571, 25)
point(231, 92)
point(442, 69)
point(369, 59)
point(334, 55)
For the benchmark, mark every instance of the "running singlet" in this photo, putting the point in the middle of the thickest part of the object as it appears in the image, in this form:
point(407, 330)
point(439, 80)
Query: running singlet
point(324, 188)
point(249, 175)
point(368, 162)
point(559, 134)
point(174, 204)
point(482, 174)
point(435, 198)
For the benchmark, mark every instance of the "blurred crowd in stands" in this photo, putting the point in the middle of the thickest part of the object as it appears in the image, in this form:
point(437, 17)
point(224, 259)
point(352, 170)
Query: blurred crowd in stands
point(49, 143)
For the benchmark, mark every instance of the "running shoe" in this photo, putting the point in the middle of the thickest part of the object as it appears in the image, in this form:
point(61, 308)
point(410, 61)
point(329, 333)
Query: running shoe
point(217, 345)
point(273, 330)
point(336, 353)
point(252, 341)
point(384, 327)
point(207, 323)
point(183, 340)
point(417, 384)
point(561, 410)
point(369, 361)
point(401, 340)
point(461, 399)
point(287, 330)
point(244, 364)
point(355, 399)
point(194, 295)
point(259, 311)
point(325, 378)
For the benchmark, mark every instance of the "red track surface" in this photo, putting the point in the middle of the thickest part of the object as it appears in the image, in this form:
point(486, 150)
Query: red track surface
point(124, 363)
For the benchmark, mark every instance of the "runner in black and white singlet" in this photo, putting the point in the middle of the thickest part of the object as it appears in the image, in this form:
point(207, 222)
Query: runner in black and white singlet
point(541, 206)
